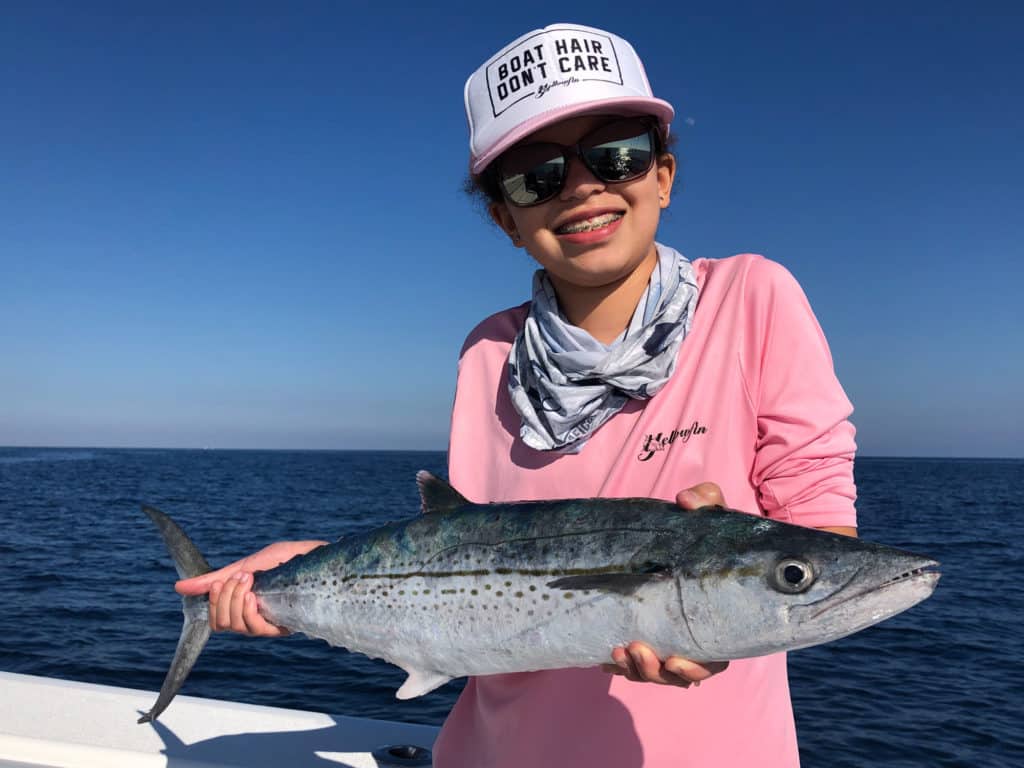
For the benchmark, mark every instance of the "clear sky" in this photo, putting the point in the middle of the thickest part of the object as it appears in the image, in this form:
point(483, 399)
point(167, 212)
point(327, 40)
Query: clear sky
point(241, 224)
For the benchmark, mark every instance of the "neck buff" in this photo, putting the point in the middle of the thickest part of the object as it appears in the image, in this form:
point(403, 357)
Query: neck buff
point(565, 384)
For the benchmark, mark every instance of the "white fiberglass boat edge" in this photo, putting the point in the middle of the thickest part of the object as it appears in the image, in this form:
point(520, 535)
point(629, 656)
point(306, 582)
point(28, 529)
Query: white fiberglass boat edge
point(50, 723)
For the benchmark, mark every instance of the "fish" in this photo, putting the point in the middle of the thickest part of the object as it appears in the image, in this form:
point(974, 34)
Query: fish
point(482, 589)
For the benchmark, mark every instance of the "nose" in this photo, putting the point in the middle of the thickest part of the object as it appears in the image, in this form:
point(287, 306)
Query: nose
point(579, 181)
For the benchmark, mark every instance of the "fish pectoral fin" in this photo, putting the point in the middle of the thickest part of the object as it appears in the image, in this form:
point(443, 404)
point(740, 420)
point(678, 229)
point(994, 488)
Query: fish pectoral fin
point(625, 583)
point(436, 495)
point(420, 682)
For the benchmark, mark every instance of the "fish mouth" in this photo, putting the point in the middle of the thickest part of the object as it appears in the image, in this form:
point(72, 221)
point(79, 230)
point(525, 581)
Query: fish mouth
point(913, 583)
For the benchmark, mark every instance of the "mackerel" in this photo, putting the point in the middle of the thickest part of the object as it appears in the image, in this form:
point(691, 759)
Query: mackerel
point(481, 589)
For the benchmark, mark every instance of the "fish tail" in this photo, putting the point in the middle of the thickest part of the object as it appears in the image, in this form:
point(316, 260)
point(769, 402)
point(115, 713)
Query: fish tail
point(189, 562)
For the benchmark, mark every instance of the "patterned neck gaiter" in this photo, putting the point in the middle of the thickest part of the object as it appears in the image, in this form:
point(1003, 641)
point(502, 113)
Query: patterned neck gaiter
point(565, 384)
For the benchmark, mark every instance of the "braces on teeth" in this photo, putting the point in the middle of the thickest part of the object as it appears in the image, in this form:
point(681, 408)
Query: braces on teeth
point(589, 224)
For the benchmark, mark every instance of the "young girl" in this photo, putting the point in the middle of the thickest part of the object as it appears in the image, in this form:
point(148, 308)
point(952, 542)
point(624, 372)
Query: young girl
point(632, 372)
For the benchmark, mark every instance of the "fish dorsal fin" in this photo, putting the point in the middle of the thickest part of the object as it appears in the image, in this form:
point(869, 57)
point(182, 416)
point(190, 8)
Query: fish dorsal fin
point(436, 495)
point(420, 682)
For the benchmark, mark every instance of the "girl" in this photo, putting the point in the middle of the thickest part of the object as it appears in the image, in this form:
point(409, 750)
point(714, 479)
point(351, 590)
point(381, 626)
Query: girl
point(632, 372)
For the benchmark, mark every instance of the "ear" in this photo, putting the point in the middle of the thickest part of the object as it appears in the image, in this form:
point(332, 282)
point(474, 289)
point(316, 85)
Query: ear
point(502, 216)
point(666, 177)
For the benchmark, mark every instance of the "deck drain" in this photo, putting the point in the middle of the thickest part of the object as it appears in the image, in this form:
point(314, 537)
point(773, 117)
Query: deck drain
point(403, 755)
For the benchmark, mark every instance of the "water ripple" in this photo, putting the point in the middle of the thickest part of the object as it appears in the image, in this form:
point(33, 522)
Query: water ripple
point(939, 686)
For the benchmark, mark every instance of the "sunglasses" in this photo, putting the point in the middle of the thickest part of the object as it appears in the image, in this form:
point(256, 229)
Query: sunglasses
point(623, 150)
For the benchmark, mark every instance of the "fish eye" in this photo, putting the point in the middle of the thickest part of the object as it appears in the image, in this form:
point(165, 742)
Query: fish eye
point(793, 576)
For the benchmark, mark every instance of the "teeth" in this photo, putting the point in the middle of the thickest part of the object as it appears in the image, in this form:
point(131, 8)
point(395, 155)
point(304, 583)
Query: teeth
point(586, 225)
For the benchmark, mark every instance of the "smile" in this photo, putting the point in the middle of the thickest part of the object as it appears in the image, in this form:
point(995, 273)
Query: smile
point(588, 225)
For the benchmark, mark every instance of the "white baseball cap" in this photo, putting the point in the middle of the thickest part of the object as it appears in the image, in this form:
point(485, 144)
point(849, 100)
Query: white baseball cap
point(549, 75)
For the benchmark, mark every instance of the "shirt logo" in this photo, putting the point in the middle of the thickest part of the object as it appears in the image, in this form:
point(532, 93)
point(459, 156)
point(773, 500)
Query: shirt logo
point(660, 441)
point(533, 68)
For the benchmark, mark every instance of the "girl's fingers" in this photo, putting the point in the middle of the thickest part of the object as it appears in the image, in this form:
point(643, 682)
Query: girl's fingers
point(639, 663)
point(199, 585)
point(234, 607)
point(701, 495)
point(242, 582)
point(650, 668)
point(691, 670)
point(255, 623)
point(625, 665)
point(215, 591)
point(227, 593)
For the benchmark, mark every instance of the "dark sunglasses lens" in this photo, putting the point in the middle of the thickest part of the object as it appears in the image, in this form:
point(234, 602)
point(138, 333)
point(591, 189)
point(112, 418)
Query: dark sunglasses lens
point(533, 173)
point(621, 159)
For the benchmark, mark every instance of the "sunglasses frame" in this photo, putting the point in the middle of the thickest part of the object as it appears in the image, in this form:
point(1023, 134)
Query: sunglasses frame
point(570, 151)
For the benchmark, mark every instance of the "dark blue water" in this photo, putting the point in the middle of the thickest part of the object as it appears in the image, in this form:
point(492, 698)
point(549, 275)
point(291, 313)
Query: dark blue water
point(85, 586)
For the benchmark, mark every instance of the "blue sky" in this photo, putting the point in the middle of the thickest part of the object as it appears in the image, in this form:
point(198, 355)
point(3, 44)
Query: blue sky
point(241, 224)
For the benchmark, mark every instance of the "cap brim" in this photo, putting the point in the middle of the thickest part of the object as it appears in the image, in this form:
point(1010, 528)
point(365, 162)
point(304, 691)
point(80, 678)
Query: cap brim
point(626, 105)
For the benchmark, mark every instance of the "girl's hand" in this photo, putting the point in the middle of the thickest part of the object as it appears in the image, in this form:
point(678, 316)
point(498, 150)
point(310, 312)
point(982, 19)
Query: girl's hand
point(637, 662)
point(232, 603)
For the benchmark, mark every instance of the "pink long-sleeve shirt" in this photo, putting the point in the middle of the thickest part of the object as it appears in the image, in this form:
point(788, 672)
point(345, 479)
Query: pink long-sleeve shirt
point(754, 405)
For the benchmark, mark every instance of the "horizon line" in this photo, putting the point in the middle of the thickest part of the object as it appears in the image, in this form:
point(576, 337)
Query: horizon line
point(879, 456)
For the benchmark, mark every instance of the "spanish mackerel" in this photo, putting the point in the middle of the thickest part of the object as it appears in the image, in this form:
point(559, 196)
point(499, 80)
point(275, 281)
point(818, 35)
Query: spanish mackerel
point(480, 589)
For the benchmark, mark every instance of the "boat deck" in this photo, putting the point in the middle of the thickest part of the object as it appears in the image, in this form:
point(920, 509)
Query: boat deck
point(61, 724)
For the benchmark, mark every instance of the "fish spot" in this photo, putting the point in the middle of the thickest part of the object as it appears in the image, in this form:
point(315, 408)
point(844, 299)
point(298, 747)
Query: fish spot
point(519, 594)
point(473, 592)
point(533, 587)
point(499, 593)
point(545, 597)
point(508, 583)
point(487, 586)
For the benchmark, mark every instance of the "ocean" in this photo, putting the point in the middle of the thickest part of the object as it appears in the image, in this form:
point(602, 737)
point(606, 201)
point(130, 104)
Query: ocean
point(86, 592)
